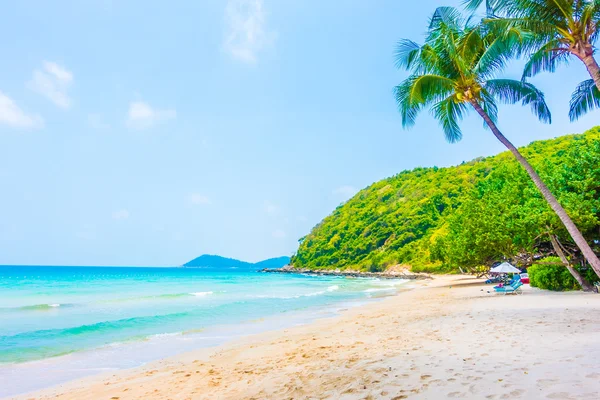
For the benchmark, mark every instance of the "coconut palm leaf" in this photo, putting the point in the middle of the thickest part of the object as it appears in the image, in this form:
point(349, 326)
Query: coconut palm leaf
point(449, 113)
point(556, 31)
point(585, 98)
point(547, 58)
point(511, 91)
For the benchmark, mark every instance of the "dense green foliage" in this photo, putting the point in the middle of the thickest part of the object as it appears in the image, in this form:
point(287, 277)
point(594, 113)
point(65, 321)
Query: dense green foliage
point(552, 277)
point(549, 273)
point(440, 219)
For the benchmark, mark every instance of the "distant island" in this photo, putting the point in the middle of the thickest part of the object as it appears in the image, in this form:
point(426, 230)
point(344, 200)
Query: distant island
point(214, 261)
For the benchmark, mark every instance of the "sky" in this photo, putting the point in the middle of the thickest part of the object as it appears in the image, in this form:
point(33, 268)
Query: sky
point(151, 132)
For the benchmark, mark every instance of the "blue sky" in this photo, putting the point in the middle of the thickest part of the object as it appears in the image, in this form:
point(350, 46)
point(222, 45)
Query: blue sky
point(148, 133)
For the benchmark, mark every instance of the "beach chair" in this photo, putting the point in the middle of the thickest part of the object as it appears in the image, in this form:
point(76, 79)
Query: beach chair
point(511, 282)
point(494, 279)
point(514, 287)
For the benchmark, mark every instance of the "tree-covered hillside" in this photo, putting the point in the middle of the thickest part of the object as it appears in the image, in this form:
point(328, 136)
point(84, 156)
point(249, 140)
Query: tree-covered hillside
point(468, 215)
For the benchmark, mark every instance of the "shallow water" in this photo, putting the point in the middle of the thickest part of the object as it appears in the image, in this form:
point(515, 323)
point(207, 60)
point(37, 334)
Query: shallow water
point(88, 315)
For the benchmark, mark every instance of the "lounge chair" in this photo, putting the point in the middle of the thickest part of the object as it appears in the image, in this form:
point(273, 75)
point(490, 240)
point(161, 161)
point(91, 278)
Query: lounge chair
point(512, 282)
point(515, 287)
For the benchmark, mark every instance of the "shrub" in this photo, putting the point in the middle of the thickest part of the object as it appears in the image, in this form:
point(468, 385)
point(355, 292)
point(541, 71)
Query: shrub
point(376, 268)
point(551, 274)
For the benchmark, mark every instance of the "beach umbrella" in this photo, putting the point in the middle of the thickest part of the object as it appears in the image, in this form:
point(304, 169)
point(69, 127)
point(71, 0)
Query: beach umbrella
point(505, 268)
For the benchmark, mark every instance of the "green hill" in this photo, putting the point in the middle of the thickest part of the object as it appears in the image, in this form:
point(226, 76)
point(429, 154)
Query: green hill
point(463, 216)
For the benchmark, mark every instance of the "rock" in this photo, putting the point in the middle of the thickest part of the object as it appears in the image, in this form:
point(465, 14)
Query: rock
point(403, 273)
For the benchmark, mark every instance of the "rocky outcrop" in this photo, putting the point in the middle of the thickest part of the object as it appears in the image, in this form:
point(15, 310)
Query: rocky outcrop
point(390, 274)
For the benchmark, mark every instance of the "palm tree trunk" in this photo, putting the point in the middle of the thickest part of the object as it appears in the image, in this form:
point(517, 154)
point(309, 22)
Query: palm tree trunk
point(578, 238)
point(593, 68)
point(582, 282)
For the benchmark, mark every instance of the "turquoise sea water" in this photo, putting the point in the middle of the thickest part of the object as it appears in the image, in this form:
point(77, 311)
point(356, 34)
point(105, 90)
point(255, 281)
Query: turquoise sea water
point(47, 312)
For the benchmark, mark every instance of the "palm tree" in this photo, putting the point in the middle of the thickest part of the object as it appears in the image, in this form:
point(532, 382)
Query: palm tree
point(454, 72)
point(561, 29)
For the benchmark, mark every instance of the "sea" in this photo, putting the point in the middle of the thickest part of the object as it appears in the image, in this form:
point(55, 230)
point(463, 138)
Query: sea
point(63, 323)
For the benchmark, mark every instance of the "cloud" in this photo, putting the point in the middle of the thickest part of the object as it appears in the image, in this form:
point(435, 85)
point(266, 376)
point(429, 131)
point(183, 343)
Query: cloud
point(120, 215)
point(52, 82)
point(345, 191)
point(301, 218)
point(271, 209)
point(198, 199)
point(279, 234)
point(246, 33)
point(12, 115)
point(142, 116)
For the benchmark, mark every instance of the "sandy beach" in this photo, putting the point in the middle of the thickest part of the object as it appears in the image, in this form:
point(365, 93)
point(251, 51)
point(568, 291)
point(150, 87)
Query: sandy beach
point(446, 338)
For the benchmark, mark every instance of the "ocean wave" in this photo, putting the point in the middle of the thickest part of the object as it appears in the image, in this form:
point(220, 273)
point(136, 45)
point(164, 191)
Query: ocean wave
point(54, 306)
point(163, 335)
point(37, 307)
point(330, 289)
point(386, 289)
point(201, 294)
point(92, 329)
point(166, 296)
point(392, 282)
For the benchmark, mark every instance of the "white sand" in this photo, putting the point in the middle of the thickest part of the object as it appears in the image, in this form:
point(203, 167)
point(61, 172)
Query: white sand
point(447, 340)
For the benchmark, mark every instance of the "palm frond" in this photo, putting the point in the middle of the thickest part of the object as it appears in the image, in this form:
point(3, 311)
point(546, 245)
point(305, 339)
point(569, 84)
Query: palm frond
point(499, 50)
point(489, 106)
point(407, 54)
point(547, 58)
point(491, 6)
point(564, 7)
point(449, 17)
point(586, 97)
point(511, 91)
point(449, 113)
point(590, 20)
point(417, 91)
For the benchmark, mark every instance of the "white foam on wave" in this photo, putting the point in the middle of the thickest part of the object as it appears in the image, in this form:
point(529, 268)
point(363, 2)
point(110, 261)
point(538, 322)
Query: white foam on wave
point(162, 335)
point(330, 289)
point(378, 290)
point(54, 305)
point(201, 294)
point(392, 282)
point(311, 294)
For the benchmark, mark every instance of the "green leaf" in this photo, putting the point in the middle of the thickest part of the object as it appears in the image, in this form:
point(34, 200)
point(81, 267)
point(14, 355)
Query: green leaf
point(585, 98)
point(511, 91)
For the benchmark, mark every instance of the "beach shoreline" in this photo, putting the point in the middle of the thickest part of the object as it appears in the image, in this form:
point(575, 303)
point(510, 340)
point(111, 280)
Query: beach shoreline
point(446, 338)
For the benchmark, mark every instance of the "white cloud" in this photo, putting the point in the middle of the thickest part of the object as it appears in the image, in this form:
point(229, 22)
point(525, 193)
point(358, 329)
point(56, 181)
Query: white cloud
point(142, 116)
point(52, 82)
point(246, 33)
point(120, 214)
point(12, 115)
point(345, 192)
point(198, 199)
point(279, 234)
point(271, 208)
